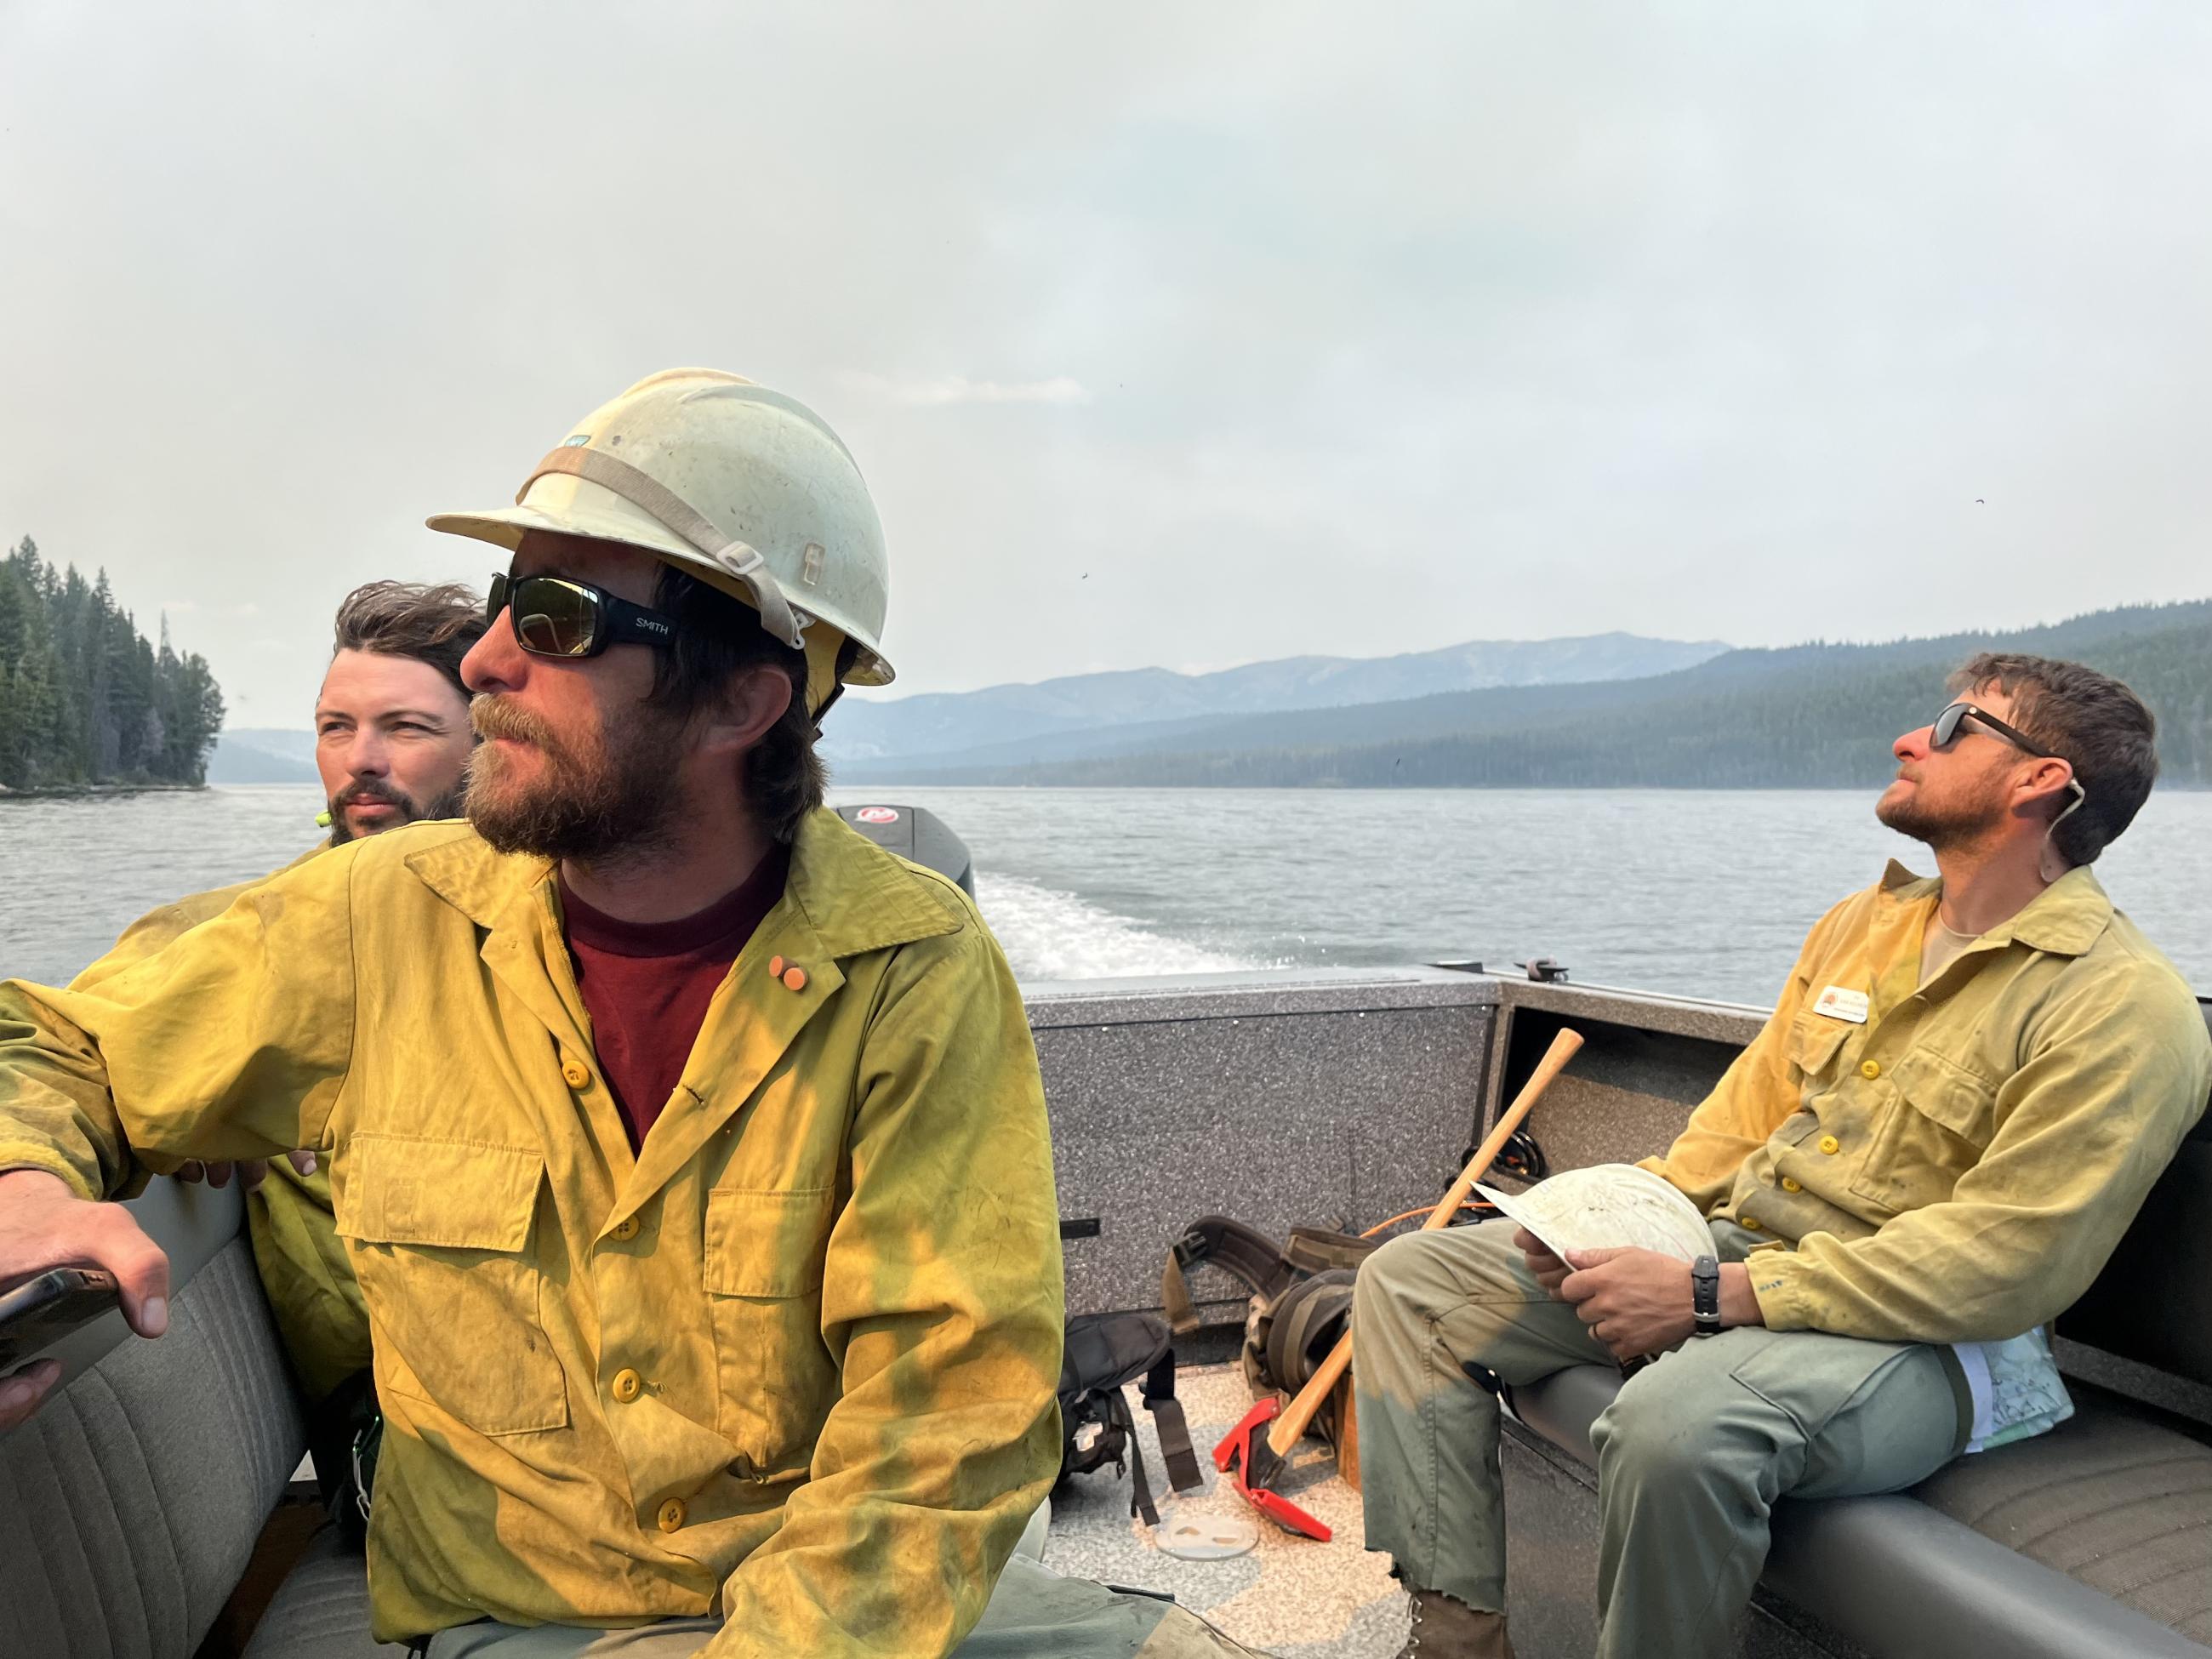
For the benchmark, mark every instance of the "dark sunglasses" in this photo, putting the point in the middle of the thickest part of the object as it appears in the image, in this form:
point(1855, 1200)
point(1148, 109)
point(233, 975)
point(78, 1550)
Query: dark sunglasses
point(1945, 727)
point(555, 617)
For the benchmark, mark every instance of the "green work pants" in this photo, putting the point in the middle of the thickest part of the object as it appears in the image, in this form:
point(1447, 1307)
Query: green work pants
point(1691, 1455)
point(1034, 1614)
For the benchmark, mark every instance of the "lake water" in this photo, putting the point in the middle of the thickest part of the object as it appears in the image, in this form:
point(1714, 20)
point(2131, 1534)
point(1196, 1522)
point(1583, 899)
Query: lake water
point(1699, 893)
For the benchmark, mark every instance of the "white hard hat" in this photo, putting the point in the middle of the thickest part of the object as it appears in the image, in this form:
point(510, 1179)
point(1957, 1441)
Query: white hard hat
point(1607, 1205)
point(742, 487)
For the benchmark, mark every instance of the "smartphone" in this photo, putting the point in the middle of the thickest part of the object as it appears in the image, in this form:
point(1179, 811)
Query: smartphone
point(42, 1311)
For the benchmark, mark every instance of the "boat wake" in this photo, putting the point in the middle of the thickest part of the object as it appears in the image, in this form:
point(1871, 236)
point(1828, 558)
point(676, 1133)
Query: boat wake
point(1049, 934)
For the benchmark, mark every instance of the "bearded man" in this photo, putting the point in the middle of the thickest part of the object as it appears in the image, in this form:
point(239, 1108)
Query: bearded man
point(689, 1149)
point(1967, 1088)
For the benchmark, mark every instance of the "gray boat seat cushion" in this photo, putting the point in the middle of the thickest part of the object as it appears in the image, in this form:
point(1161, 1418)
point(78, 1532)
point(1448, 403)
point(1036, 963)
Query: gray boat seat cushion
point(2091, 1540)
point(321, 1609)
point(130, 1504)
point(2117, 1497)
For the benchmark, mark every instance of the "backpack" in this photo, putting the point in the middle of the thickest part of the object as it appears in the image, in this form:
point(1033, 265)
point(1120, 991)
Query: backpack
point(1102, 1352)
point(1301, 1297)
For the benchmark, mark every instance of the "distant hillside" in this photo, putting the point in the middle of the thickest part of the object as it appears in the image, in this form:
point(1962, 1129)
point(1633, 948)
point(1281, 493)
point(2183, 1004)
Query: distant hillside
point(264, 755)
point(1003, 724)
point(1806, 716)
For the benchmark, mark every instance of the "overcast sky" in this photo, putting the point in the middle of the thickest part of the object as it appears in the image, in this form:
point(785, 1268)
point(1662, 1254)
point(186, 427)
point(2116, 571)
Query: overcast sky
point(1180, 335)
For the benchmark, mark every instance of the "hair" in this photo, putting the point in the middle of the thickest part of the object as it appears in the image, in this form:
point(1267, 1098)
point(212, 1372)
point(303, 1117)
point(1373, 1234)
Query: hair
point(434, 624)
point(2087, 719)
point(716, 635)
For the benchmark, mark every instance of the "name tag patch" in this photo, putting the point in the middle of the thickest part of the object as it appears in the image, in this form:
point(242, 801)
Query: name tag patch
point(1837, 1003)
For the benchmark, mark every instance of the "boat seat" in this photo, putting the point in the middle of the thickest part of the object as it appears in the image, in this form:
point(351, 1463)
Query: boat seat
point(321, 1609)
point(130, 1504)
point(2086, 1541)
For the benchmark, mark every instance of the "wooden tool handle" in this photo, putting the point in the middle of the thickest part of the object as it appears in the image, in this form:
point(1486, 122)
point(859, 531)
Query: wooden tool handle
point(1290, 1428)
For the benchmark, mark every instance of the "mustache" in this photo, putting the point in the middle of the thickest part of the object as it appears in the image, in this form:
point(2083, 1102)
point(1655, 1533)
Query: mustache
point(493, 716)
point(367, 790)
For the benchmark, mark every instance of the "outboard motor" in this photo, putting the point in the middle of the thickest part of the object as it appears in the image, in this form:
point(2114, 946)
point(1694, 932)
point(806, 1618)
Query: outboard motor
point(916, 833)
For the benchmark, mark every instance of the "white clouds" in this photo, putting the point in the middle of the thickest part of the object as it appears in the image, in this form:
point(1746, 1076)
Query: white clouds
point(941, 390)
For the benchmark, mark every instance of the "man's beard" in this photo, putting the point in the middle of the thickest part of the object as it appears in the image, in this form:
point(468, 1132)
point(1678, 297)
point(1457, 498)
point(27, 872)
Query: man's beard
point(363, 791)
point(621, 799)
point(1942, 830)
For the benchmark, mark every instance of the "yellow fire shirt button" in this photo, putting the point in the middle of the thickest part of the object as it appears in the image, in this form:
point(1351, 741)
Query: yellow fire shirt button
point(625, 1229)
point(1750, 1223)
point(1790, 1186)
point(671, 1514)
point(628, 1385)
point(1830, 1145)
point(575, 1073)
point(1869, 1068)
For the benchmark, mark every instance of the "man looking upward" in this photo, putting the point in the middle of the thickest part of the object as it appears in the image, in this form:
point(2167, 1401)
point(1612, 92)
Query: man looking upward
point(1964, 1095)
point(688, 1148)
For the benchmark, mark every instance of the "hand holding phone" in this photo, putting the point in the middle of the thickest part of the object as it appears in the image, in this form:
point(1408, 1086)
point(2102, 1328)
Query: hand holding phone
point(45, 1225)
point(38, 1314)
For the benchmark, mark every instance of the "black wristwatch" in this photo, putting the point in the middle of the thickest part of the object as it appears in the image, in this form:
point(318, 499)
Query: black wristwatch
point(1705, 1294)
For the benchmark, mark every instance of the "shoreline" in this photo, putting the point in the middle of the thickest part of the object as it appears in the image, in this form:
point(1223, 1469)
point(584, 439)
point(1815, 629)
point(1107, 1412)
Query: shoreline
point(80, 791)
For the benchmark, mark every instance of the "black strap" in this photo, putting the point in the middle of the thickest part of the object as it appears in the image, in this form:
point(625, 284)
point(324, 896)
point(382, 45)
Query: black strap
point(1174, 1430)
point(1140, 1489)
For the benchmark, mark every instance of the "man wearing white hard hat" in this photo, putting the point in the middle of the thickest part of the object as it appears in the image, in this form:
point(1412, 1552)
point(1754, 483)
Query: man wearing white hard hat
point(689, 1149)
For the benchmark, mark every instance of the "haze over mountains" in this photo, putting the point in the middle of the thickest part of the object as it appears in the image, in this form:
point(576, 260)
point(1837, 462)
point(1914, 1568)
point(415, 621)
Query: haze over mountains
point(997, 724)
point(1002, 723)
point(1808, 716)
point(1610, 711)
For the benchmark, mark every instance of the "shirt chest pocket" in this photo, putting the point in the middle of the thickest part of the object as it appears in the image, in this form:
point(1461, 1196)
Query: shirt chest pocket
point(1934, 1125)
point(440, 1233)
point(1811, 1047)
point(764, 1253)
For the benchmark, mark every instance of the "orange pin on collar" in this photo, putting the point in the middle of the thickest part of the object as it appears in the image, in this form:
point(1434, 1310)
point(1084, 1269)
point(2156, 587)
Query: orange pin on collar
point(794, 979)
point(775, 967)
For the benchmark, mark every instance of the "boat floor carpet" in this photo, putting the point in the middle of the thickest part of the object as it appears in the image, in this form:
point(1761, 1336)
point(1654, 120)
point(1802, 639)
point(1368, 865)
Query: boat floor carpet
point(1289, 1596)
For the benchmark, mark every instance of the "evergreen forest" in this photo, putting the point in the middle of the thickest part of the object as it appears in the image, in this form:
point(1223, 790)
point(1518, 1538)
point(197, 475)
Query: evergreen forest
point(85, 698)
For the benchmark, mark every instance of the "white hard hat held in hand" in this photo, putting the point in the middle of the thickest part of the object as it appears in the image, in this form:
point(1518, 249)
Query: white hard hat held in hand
point(739, 486)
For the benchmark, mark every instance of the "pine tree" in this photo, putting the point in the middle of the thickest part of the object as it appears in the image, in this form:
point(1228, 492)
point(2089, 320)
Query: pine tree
point(84, 697)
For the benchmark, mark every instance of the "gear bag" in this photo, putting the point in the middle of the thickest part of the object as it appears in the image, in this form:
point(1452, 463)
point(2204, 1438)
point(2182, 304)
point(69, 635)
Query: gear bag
point(1301, 1297)
point(1102, 1352)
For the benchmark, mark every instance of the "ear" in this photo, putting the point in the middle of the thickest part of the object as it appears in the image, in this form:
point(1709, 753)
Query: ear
point(2043, 784)
point(754, 700)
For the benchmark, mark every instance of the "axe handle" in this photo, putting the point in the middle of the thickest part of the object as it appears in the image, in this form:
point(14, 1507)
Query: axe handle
point(1288, 1429)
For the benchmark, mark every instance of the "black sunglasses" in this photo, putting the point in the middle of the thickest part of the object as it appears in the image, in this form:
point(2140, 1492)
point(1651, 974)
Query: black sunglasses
point(555, 617)
point(1944, 726)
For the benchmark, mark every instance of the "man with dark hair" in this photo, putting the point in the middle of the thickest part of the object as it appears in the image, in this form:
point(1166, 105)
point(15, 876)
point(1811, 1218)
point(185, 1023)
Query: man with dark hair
point(391, 723)
point(689, 1149)
point(392, 741)
point(1965, 1093)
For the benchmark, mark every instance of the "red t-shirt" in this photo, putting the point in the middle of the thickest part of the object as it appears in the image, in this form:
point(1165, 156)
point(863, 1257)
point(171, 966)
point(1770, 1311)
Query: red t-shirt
point(646, 985)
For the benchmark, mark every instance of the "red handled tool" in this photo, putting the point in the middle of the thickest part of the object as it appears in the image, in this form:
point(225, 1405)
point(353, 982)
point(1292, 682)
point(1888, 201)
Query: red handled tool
point(1259, 1457)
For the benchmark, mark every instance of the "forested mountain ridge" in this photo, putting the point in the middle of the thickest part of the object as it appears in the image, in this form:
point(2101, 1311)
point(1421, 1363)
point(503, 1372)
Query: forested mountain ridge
point(1815, 715)
point(1048, 719)
point(84, 697)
